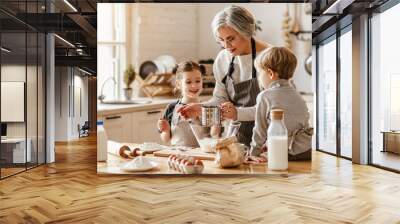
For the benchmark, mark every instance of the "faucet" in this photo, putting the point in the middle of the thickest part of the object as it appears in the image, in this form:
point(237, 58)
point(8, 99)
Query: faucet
point(102, 96)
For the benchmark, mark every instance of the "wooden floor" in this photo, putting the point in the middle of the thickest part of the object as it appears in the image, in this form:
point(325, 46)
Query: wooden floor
point(10, 171)
point(70, 191)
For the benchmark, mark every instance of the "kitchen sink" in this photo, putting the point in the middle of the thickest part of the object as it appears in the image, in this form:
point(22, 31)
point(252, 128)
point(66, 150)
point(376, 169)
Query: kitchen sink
point(126, 101)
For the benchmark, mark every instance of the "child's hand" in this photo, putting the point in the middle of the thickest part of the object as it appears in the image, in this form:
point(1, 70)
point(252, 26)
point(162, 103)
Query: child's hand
point(228, 111)
point(163, 125)
point(192, 110)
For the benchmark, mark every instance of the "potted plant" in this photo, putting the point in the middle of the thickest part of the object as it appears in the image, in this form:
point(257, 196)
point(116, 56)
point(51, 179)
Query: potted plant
point(129, 77)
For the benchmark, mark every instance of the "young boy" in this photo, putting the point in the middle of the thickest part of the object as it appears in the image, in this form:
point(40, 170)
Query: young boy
point(276, 66)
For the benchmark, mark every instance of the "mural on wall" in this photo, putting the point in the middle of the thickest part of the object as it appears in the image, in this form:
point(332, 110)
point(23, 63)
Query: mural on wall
point(153, 38)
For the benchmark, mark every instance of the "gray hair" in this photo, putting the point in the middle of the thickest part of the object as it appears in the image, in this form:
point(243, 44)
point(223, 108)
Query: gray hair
point(236, 17)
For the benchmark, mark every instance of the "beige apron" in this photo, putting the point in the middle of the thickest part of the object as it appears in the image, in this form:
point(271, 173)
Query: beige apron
point(181, 132)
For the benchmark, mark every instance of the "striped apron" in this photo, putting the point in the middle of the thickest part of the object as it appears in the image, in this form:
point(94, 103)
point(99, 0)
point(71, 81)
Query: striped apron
point(243, 94)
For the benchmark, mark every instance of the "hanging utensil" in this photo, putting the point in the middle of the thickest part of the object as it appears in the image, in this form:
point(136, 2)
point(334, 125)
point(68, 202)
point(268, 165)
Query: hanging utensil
point(296, 25)
point(308, 64)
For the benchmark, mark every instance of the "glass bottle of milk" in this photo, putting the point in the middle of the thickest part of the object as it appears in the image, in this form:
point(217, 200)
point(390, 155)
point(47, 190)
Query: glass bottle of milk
point(277, 142)
point(101, 142)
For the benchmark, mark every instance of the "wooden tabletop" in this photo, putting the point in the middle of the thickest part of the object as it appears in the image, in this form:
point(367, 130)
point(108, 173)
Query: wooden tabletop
point(114, 161)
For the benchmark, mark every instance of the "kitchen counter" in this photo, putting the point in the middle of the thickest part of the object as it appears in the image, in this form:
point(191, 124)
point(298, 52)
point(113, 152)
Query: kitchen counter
point(155, 103)
point(114, 160)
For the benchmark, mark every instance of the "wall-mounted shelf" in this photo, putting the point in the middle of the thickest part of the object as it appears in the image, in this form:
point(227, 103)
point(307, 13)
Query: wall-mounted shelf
point(303, 35)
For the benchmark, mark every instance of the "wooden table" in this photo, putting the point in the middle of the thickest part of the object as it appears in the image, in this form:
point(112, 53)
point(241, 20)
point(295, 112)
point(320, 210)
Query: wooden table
point(391, 141)
point(114, 160)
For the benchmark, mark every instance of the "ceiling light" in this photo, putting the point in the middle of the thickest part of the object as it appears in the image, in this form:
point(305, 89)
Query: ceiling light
point(65, 41)
point(70, 5)
point(84, 71)
point(5, 50)
point(338, 6)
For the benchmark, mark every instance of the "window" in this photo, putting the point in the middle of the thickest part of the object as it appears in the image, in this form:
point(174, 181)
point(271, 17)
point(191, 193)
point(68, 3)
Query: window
point(327, 96)
point(335, 74)
point(385, 88)
point(111, 48)
point(22, 66)
point(346, 93)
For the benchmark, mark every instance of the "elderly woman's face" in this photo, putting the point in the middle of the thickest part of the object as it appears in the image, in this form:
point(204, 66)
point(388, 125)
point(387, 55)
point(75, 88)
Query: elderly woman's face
point(233, 41)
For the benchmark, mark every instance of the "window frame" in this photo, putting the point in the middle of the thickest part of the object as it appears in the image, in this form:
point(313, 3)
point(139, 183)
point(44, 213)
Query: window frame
point(381, 9)
point(333, 37)
point(120, 43)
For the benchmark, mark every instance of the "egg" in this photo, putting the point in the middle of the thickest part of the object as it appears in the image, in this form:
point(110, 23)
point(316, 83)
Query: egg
point(198, 163)
point(182, 165)
point(170, 160)
point(198, 166)
point(176, 163)
point(189, 167)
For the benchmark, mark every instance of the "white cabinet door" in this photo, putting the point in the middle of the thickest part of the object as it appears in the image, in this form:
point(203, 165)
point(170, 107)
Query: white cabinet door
point(118, 127)
point(144, 128)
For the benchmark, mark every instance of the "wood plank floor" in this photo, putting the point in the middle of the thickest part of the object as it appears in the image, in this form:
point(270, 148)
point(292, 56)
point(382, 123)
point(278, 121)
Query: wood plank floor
point(10, 171)
point(70, 191)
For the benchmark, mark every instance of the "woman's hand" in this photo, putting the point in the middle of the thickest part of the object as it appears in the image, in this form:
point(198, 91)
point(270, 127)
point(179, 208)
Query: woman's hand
point(262, 158)
point(228, 111)
point(192, 110)
point(264, 148)
point(257, 159)
point(163, 125)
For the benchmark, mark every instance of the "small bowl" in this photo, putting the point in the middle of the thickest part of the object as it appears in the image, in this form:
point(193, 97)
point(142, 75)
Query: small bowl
point(207, 136)
point(189, 169)
point(198, 169)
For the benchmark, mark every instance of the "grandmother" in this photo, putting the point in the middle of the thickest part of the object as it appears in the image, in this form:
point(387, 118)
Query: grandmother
point(236, 78)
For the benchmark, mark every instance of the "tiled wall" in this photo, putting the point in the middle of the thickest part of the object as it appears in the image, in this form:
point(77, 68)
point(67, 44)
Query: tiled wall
point(184, 32)
point(177, 27)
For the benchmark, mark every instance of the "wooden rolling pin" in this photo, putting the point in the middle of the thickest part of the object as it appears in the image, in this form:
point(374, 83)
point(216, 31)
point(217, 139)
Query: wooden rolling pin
point(127, 153)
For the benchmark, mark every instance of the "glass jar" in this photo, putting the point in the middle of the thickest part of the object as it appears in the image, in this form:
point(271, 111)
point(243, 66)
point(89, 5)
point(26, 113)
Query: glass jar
point(277, 142)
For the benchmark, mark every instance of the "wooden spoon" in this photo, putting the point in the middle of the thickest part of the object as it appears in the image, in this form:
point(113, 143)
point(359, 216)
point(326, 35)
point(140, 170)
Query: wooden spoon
point(296, 25)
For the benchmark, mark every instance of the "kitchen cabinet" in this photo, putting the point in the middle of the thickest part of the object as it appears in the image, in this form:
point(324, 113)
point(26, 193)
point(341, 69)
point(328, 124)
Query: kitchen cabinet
point(118, 127)
point(135, 123)
point(144, 126)
point(137, 126)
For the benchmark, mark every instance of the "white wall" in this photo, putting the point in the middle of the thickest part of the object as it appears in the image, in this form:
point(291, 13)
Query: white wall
point(61, 103)
point(68, 82)
point(167, 29)
point(17, 73)
point(34, 125)
point(80, 83)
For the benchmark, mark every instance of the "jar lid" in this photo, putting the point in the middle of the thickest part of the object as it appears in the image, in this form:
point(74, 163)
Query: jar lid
point(209, 106)
point(277, 114)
